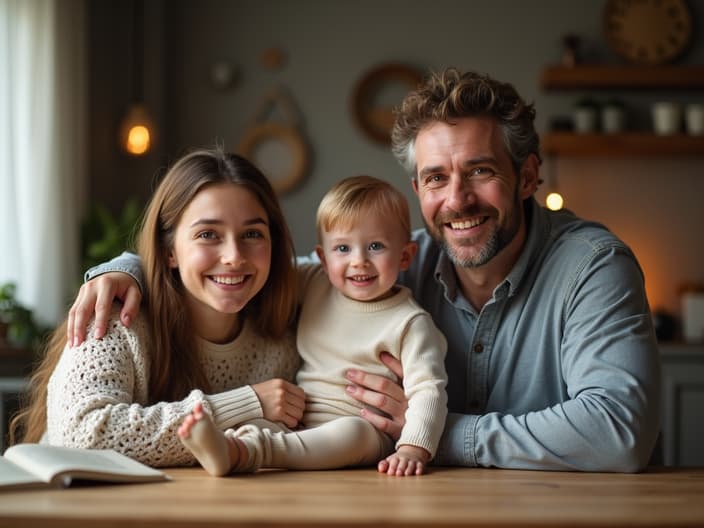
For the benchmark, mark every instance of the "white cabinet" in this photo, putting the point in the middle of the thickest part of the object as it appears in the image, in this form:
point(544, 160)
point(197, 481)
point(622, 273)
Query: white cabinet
point(682, 404)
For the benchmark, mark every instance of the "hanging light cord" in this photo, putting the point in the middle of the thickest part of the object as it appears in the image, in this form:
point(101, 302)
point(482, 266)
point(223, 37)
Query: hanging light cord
point(137, 51)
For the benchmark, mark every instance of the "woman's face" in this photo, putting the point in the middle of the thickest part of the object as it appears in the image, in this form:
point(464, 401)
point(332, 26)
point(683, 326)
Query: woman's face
point(222, 250)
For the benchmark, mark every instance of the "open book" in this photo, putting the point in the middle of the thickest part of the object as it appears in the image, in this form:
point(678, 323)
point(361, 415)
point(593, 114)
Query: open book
point(26, 466)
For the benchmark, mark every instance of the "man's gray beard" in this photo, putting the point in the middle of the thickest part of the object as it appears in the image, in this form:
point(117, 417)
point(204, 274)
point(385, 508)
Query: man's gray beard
point(498, 240)
point(488, 252)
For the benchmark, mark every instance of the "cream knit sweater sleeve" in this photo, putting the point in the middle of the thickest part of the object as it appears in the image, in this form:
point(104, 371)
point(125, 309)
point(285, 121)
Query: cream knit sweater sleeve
point(98, 393)
point(424, 380)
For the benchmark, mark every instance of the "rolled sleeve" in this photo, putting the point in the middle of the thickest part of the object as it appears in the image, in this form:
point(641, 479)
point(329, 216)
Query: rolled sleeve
point(458, 440)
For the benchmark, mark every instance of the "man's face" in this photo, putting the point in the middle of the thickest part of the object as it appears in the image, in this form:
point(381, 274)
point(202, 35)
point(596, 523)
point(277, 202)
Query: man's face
point(470, 196)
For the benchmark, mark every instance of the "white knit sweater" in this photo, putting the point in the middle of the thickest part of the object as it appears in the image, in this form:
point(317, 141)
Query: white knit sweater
point(336, 333)
point(97, 395)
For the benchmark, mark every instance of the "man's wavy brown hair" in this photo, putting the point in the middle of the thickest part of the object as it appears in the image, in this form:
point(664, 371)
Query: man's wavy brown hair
point(451, 95)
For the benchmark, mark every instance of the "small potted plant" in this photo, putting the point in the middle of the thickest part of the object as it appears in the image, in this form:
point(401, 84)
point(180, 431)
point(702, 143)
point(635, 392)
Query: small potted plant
point(105, 235)
point(17, 325)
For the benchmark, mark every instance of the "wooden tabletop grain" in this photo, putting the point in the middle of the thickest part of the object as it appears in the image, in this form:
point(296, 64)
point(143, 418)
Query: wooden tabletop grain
point(362, 497)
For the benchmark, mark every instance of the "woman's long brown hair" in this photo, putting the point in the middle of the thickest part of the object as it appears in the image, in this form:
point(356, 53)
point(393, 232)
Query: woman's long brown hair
point(174, 369)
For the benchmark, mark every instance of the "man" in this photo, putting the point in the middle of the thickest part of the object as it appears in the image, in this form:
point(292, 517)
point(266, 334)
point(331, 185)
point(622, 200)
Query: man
point(552, 360)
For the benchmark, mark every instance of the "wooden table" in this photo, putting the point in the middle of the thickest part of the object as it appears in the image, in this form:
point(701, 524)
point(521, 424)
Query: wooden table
point(346, 498)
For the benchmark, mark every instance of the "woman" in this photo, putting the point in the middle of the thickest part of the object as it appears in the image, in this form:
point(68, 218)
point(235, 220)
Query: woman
point(220, 299)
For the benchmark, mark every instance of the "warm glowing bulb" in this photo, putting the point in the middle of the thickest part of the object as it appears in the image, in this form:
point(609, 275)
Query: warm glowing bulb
point(554, 201)
point(138, 140)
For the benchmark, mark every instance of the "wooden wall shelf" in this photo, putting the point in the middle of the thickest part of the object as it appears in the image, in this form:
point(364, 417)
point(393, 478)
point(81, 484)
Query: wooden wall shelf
point(622, 76)
point(625, 145)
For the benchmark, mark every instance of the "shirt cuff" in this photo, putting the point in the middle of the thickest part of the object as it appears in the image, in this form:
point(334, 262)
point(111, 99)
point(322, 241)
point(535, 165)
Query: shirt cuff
point(234, 407)
point(458, 440)
point(126, 263)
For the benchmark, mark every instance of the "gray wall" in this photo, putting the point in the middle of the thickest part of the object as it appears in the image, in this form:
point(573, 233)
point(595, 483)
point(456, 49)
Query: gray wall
point(654, 204)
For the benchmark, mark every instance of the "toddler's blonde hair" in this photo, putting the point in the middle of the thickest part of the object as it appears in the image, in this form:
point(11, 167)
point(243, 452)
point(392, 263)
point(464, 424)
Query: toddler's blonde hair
point(355, 197)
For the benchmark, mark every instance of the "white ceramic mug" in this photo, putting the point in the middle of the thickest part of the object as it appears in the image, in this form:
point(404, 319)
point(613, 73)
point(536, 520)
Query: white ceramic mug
point(585, 120)
point(613, 119)
point(694, 119)
point(667, 118)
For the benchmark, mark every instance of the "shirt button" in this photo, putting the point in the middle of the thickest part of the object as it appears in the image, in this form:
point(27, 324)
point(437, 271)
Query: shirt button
point(478, 348)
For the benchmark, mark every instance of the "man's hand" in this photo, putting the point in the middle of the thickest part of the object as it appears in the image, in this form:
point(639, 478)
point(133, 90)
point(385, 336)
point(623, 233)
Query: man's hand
point(281, 401)
point(382, 394)
point(96, 297)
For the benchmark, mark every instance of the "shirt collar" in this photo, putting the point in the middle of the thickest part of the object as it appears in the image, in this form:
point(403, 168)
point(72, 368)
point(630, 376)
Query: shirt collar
point(537, 233)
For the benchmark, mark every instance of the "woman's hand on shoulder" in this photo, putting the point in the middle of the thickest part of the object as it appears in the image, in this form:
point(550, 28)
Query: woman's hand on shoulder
point(281, 401)
point(95, 298)
point(382, 394)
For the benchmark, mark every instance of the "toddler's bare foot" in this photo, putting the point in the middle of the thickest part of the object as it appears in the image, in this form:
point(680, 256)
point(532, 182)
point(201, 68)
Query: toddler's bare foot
point(407, 460)
point(215, 452)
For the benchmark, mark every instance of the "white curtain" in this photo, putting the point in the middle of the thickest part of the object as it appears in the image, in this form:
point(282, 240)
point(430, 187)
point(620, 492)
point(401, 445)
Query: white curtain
point(42, 159)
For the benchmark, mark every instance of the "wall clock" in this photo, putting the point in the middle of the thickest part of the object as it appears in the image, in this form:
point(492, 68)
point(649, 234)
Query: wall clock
point(647, 31)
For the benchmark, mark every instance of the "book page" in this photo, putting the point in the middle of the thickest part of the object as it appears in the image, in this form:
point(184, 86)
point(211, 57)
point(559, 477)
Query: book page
point(13, 476)
point(51, 462)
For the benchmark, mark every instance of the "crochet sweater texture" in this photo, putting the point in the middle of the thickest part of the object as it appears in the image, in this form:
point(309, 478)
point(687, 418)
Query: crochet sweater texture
point(98, 393)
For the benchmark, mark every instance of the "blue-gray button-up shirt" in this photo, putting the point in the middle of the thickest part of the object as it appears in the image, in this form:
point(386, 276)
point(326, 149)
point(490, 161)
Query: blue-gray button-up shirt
point(560, 369)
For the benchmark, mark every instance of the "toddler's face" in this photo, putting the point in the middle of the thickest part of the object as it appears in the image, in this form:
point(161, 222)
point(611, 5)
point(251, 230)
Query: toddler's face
point(363, 261)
